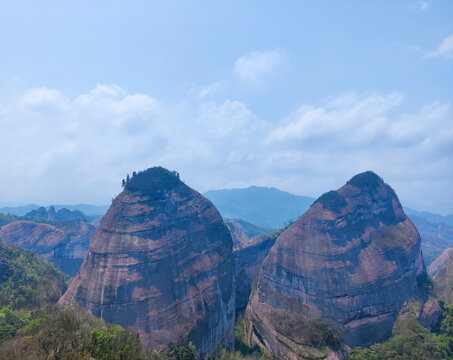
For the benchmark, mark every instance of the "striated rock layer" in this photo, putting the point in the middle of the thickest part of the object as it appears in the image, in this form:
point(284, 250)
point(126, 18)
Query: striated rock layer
point(161, 262)
point(65, 245)
point(236, 232)
point(441, 271)
point(248, 257)
point(350, 262)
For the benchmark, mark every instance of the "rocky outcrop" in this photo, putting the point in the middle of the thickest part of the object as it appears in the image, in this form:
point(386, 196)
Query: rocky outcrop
point(441, 271)
point(425, 309)
point(65, 245)
point(348, 264)
point(248, 257)
point(237, 235)
point(161, 262)
point(59, 216)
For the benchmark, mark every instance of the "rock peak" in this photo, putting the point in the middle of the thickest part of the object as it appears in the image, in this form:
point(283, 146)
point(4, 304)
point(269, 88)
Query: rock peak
point(162, 263)
point(351, 260)
point(153, 181)
point(366, 179)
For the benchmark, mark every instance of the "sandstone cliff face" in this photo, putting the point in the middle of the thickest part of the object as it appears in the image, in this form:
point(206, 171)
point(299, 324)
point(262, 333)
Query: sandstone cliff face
point(237, 235)
point(441, 271)
point(65, 245)
point(248, 257)
point(161, 262)
point(350, 262)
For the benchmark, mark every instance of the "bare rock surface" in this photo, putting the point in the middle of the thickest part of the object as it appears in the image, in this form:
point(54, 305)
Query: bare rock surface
point(248, 257)
point(236, 232)
point(161, 262)
point(350, 262)
point(441, 271)
point(65, 245)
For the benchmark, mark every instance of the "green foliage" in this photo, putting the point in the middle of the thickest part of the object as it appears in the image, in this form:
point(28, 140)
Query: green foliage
point(446, 326)
point(252, 230)
point(70, 333)
point(411, 341)
point(224, 354)
point(242, 351)
point(27, 281)
point(239, 337)
point(153, 181)
point(425, 284)
point(6, 219)
point(319, 334)
point(183, 351)
point(332, 200)
point(302, 331)
point(113, 343)
point(10, 322)
point(429, 255)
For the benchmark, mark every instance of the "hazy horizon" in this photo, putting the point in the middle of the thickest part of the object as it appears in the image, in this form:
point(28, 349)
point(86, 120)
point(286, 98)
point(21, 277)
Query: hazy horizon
point(299, 96)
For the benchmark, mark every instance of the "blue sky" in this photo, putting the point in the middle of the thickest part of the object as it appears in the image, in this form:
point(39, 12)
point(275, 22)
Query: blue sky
point(298, 95)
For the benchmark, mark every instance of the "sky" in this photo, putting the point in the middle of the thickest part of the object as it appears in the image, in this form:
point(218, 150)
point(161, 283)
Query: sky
point(297, 95)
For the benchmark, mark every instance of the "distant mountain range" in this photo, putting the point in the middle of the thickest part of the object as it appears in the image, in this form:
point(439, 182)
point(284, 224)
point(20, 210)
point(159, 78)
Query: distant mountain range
point(264, 209)
point(263, 206)
point(434, 218)
point(90, 210)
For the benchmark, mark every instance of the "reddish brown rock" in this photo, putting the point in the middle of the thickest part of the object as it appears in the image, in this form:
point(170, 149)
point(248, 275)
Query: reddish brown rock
point(65, 245)
point(350, 263)
point(248, 257)
point(441, 271)
point(161, 262)
point(236, 232)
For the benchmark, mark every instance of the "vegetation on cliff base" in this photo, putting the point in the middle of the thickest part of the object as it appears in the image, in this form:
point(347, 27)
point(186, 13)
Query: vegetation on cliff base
point(411, 341)
point(70, 333)
point(302, 331)
point(27, 281)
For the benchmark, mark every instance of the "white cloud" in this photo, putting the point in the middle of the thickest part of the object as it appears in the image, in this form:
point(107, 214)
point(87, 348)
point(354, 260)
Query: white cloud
point(445, 49)
point(56, 149)
point(255, 66)
point(209, 90)
point(348, 120)
point(418, 6)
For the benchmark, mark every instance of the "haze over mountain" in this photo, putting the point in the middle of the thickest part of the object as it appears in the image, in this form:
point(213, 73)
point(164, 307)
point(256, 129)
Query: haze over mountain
point(436, 237)
point(262, 106)
point(433, 218)
point(263, 206)
point(90, 210)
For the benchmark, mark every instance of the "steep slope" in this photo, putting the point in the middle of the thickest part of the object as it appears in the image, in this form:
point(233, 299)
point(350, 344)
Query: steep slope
point(248, 257)
point(65, 246)
point(349, 263)
point(263, 206)
point(237, 235)
point(441, 271)
point(161, 262)
point(251, 230)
